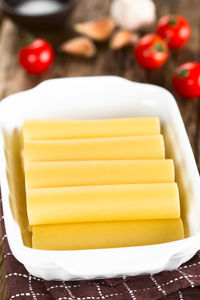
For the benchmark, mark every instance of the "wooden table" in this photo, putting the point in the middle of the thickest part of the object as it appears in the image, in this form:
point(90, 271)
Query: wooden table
point(121, 63)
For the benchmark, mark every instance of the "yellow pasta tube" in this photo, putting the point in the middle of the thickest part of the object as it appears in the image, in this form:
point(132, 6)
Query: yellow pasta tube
point(80, 236)
point(69, 129)
point(103, 203)
point(78, 173)
point(146, 147)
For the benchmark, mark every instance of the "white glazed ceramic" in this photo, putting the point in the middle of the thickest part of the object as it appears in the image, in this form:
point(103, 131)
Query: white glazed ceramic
point(93, 98)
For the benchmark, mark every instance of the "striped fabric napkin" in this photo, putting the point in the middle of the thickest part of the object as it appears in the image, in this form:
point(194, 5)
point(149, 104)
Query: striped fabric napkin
point(182, 284)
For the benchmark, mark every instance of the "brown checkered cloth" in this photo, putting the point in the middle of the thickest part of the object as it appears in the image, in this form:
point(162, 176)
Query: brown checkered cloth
point(182, 284)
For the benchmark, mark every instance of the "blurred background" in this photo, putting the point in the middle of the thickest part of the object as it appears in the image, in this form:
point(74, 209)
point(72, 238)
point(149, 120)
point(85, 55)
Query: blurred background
point(19, 24)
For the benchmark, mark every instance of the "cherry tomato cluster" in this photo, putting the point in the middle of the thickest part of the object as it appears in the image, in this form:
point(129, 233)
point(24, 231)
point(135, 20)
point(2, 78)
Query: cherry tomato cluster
point(152, 51)
point(172, 32)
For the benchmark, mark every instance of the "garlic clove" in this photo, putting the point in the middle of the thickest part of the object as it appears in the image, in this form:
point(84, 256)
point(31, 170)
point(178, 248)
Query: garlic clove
point(80, 46)
point(123, 38)
point(99, 30)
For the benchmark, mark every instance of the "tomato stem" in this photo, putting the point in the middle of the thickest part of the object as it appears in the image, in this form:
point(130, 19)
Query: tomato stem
point(159, 47)
point(29, 38)
point(172, 21)
point(183, 73)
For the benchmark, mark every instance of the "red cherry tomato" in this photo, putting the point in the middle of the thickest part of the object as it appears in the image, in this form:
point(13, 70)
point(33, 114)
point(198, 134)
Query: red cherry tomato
point(186, 80)
point(36, 57)
point(151, 51)
point(175, 29)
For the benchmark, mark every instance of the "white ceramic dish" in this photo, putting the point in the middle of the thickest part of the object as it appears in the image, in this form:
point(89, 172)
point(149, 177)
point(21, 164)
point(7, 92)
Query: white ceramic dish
point(93, 98)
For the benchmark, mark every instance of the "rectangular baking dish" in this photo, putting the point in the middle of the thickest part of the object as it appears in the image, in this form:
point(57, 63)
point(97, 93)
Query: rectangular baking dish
point(96, 98)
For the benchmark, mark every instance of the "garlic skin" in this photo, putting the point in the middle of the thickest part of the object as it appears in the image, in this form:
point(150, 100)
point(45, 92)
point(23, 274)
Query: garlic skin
point(98, 30)
point(123, 38)
point(133, 14)
point(80, 46)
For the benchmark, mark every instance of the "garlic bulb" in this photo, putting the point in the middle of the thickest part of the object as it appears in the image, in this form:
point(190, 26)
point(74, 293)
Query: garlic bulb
point(133, 14)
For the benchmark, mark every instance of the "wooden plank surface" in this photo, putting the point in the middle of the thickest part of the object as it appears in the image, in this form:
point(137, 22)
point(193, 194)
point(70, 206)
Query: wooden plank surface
point(14, 79)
